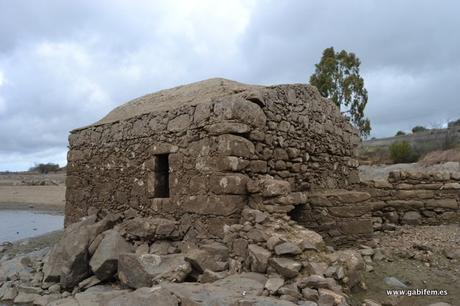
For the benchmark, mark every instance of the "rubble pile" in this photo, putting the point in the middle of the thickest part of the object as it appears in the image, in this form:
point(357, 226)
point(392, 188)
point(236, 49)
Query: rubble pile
point(124, 258)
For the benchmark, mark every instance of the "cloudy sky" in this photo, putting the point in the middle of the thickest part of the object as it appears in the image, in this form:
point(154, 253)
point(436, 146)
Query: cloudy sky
point(65, 64)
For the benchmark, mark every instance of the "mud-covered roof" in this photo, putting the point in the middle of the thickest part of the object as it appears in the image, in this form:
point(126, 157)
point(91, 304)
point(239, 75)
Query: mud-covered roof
point(190, 94)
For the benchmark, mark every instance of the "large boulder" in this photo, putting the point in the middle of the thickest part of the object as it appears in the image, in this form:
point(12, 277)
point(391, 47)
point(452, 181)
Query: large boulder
point(75, 241)
point(353, 265)
point(104, 262)
point(68, 261)
point(213, 257)
point(286, 267)
point(287, 248)
point(140, 228)
point(258, 258)
point(138, 271)
point(272, 188)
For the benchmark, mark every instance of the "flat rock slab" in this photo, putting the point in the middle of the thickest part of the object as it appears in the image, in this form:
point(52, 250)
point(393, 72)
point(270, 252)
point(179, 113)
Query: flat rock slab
point(286, 267)
point(145, 297)
point(230, 291)
point(136, 271)
point(89, 298)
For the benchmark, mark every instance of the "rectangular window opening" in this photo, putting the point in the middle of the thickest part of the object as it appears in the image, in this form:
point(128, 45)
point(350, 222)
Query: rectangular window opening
point(161, 176)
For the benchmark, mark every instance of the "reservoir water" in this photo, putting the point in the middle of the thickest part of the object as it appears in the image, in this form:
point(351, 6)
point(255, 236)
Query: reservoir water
point(20, 224)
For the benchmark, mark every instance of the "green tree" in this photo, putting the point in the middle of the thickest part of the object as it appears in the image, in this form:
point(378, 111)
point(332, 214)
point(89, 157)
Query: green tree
point(337, 77)
point(45, 168)
point(400, 133)
point(419, 128)
point(402, 152)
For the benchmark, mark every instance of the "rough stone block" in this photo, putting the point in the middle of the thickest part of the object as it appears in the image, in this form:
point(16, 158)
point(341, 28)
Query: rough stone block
point(163, 148)
point(241, 110)
point(104, 262)
point(293, 198)
point(202, 113)
point(179, 123)
point(401, 204)
point(442, 203)
point(209, 257)
point(411, 218)
point(350, 211)
point(271, 188)
point(235, 146)
point(221, 205)
point(414, 194)
point(228, 128)
point(286, 267)
point(344, 196)
point(455, 186)
point(229, 184)
point(137, 271)
point(356, 226)
point(258, 257)
point(258, 166)
point(382, 184)
point(229, 163)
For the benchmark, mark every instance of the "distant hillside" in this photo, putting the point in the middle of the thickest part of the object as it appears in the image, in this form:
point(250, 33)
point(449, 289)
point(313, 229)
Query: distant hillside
point(376, 150)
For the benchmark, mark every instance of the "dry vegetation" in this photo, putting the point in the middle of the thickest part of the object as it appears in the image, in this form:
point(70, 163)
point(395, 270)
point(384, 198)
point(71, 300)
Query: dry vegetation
point(438, 157)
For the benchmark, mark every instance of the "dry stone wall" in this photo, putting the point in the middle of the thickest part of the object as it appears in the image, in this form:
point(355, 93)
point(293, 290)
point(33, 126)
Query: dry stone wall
point(212, 149)
point(344, 216)
point(415, 198)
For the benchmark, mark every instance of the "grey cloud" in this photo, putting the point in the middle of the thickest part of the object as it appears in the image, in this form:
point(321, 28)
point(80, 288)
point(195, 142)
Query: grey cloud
point(409, 52)
point(66, 64)
point(413, 35)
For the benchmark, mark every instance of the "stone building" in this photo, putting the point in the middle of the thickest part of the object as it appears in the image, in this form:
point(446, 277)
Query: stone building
point(188, 153)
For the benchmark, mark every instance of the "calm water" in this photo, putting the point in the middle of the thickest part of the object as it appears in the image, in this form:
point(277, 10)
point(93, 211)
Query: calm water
point(19, 224)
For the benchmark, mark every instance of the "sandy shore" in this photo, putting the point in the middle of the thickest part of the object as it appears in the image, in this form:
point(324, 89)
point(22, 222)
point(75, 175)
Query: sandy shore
point(32, 191)
point(33, 197)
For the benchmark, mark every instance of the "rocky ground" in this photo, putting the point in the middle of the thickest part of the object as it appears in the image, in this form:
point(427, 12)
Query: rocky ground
point(32, 191)
point(173, 272)
point(419, 257)
point(131, 260)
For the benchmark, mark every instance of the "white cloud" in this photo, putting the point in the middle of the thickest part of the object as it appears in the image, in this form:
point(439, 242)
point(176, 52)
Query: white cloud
point(2, 105)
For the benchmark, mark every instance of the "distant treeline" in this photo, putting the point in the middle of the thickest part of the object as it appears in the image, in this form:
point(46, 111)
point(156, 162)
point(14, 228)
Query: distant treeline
point(419, 128)
point(45, 168)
